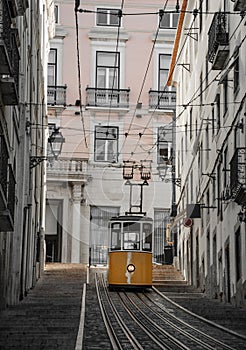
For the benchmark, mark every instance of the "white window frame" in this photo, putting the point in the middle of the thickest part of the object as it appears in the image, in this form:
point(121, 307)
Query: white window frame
point(102, 149)
point(109, 12)
point(170, 20)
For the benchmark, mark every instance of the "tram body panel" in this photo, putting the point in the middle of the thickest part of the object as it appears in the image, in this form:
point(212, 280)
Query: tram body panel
point(119, 275)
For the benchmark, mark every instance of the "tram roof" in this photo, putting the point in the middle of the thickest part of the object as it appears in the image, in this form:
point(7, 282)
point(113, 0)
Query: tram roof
point(131, 218)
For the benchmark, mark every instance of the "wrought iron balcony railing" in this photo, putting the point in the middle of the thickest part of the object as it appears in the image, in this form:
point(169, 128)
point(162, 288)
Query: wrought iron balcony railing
point(110, 98)
point(162, 99)
point(57, 95)
point(7, 190)
point(218, 40)
point(11, 193)
point(3, 173)
point(9, 57)
point(238, 176)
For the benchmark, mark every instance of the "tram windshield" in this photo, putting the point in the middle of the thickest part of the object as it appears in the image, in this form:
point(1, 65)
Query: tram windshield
point(131, 235)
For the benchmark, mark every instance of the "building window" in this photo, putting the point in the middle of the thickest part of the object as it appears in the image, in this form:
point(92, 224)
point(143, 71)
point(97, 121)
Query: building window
point(238, 254)
point(225, 86)
point(164, 145)
point(107, 70)
point(169, 20)
point(56, 12)
point(108, 17)
point(217, 102)
point(162, 234)
point(213, 121)
point(106, 144)
point(191, 121)
point(236, 75)
point(164, 63)
point(52, 67)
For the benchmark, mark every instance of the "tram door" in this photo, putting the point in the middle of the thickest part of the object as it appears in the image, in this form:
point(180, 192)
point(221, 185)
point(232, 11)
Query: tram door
point(99, 217)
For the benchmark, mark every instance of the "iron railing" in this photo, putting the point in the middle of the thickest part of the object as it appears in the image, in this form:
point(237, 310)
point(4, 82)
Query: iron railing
point(3, 173)
point(238, 176)
point(115, 98)
point(162, 99)
point(69, 168)
point(11, 192)
point(9, 57)
point(56, 95)
point(217, 34)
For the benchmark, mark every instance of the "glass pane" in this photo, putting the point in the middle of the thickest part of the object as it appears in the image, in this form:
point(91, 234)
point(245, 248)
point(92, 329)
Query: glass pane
point(147, 237)
point(131, 236)
point(112, 149)
point(116, 236)
point(163, 79)
point(113, 78)
point(165, 22)
point(114, 19)
point(100, 150)
point(165, 61)
point(52, 56)
point(175, 20)
point(51, 75)
point(107, 59)
point(101, 78)
point(102, 16)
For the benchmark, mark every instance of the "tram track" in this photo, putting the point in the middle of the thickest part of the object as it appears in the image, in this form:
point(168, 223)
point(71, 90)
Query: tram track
point(151, 321)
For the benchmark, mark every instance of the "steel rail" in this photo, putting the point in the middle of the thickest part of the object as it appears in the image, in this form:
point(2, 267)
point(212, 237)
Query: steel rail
point(194, 329)
point(110, 328)
point(229, 331)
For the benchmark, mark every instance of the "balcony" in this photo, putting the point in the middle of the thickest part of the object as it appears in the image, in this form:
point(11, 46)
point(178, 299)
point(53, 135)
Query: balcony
point(9, 58)
point(218, 41)
point(7, 190)
point(238, 176)
point(108, 98)
point(68, 169)
point(57, 95)
point(162, 99)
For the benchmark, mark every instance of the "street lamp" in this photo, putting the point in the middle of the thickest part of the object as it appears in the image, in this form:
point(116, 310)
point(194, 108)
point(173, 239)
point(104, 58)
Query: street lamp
point(55, 141)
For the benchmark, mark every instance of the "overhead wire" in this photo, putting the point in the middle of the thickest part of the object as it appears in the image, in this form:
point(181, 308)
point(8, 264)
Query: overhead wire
point(78, 69)
point(161, 13)
point(116, 60)
point(193, 97)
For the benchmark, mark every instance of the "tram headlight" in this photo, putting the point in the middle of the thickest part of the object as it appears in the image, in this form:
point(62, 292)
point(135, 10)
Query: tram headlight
point(130, 268)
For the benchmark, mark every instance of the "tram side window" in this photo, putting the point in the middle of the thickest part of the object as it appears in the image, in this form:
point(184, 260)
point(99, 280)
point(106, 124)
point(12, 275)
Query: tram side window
point(115, 237)
point(131, 232)
point(147, 237)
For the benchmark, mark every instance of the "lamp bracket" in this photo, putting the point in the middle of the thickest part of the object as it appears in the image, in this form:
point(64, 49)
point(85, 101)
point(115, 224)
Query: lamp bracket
point(36, 160)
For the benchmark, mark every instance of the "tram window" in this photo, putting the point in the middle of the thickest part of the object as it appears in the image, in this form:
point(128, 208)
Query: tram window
point(131, 236)
point(147, 237)
point(115, 237)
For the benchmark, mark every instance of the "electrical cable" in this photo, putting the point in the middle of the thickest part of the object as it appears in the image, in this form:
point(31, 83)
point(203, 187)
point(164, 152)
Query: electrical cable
point(78, 67)
point(161, 13)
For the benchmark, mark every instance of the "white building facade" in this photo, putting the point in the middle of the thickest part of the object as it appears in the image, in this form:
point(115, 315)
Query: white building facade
point(25, 30)
point(116, 112)
point(208, 69)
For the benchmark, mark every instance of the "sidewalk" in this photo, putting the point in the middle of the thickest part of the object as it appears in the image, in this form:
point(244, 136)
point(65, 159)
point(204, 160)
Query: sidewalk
point(48, 318)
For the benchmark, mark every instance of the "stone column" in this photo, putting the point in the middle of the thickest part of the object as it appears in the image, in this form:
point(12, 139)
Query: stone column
point(76, 218)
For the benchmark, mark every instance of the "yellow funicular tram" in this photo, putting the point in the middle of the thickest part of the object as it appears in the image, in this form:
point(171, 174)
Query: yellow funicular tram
point(131, 241)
